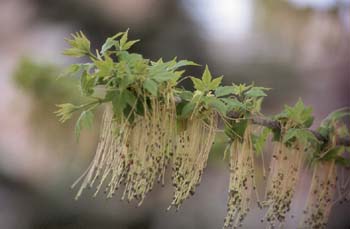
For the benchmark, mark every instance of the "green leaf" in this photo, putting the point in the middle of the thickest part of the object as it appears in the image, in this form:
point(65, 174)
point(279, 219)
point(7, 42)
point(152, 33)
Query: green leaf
point(123, 39)
point(233, 104)
point(128, 44)
point(129, 97)
point(206, 77)
point(109, 43)
point(182, 63)
point(87, 83)
point(71, 70)
point(65, 111)
point(163, 76)
point(256, 92)
point(151, 86)
point(127, 80)
point(335, 115)
point(74, 69)
point(240, 88)
point(119, 103)
point(303, 136)
point(342, 161)
point(198, 84)
point(224, 90)
point(276, 135)
point(299, 114)
point(187, 109)
point(130, 57)
point(80, 45)
point(85, 120)
point(260, 140)
point(324, 131)
point(215, 83)
point(333, 153)
point(186, 95)
point(74, 52)
point(104, 67)
point(217, 104)
point(256, 107)
point(236, 129)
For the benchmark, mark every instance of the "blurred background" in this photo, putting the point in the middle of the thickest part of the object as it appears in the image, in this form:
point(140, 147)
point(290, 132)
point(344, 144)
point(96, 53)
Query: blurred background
point(300, 48)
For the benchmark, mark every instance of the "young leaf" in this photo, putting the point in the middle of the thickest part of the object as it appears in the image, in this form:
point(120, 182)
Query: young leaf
point(240, 88)
point(256, 92)
point(129, 98)
point(335, 115)
point(260, 140)
point(233, 104)
point(235, 130)
point(343, 161)
point(87, 83)
point(105, 67)
point(198, 84)
point(303, 136)
point(224, 90)
point(161, 75)
point(119, 103)
point(65, 111)
point(187, 109)
point(299, 114)
point(128, 44)
point(185, 95)
point(123, 40)
point(80, 45)
point(333, 153)
point(109, 43)
point(151, 86)
point(217, 104)
point(71, 70)
point(206, 77)
point(85, 120)
point(182, 63)
point(214, 84)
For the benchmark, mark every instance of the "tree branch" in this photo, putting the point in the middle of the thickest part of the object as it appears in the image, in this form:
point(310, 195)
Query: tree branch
point(272, 124)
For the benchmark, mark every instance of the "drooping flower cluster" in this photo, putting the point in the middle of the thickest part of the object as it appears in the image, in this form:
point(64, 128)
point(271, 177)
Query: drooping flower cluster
point(321, 196)
point(134, 154)
point(191, 155)
point(343, 182)
point(284, 174)
point(242, 189)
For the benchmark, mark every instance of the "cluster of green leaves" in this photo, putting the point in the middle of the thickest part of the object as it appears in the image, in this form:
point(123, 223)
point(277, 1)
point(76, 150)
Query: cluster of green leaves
point(202, 100)
point(126, 80)
point(242, 102)
point(243, 99)
point(298, 116)
point(297, 119)
point(334, 126)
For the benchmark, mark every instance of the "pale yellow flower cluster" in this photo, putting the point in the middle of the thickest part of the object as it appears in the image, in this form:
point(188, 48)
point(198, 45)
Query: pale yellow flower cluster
point(133, 154)
point(136, 154)
point(284, 173)
point(191, 155)
point(321, 194)
point(242, 189)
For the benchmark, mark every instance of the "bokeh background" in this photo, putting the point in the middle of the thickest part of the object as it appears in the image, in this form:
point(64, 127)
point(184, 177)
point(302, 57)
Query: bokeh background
point(300, 48)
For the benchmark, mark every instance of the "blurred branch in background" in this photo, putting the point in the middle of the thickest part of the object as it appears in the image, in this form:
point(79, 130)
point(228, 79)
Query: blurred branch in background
point(39, 81)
